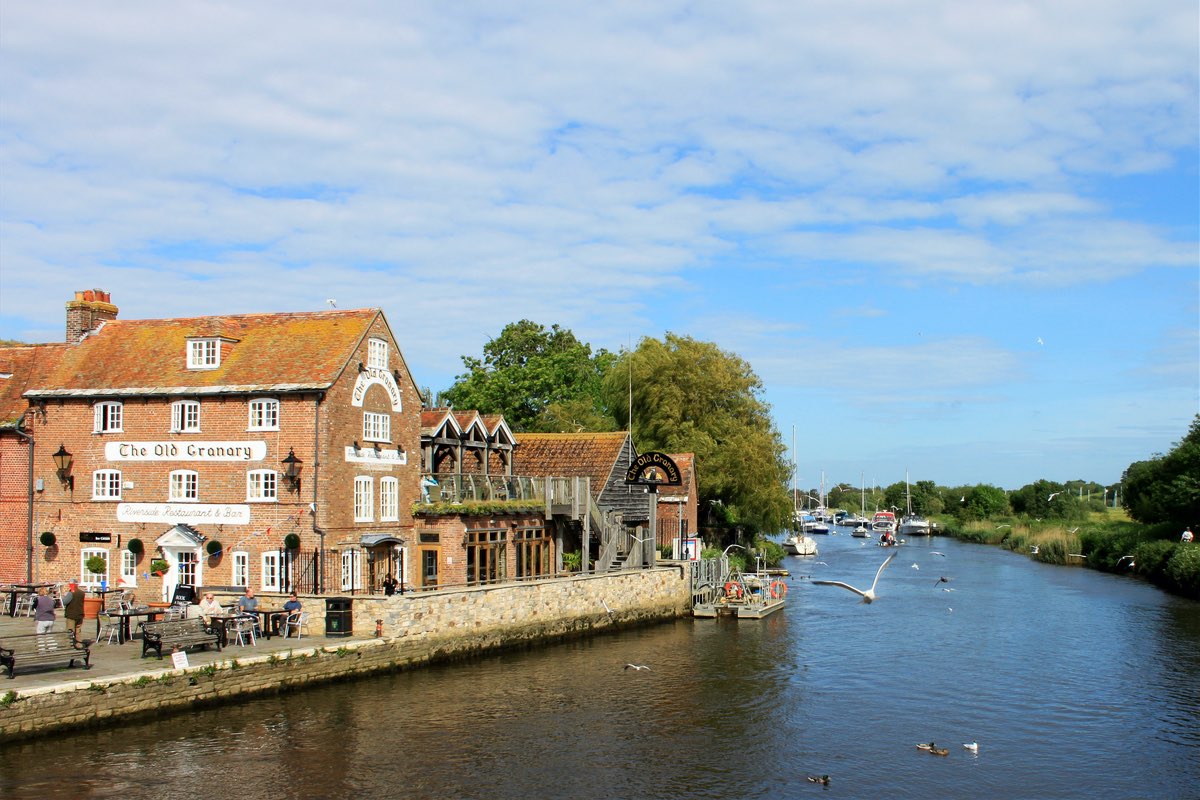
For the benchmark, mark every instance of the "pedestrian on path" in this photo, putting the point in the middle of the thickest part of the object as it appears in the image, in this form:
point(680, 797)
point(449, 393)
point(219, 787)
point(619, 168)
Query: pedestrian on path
point(73, 609)
point(43, 611)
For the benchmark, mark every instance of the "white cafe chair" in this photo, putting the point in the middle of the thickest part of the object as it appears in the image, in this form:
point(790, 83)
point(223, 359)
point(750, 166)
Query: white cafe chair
point(295, 622)
point(110, 628)
point(242, 628)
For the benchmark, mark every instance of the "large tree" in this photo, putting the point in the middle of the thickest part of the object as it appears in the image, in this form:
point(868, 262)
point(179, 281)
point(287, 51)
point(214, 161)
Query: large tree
point(528, 370)
point(689, 396)
point(1166, 488)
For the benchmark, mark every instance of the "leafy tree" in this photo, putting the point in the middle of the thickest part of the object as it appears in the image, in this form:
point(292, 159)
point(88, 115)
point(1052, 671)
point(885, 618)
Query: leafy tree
point(1166, 488)
point(527, 370)
point(690, 396)
point(983, 502)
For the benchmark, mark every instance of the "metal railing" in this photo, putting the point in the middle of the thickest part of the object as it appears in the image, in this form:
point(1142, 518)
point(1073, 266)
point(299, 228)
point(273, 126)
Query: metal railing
point(450, 487)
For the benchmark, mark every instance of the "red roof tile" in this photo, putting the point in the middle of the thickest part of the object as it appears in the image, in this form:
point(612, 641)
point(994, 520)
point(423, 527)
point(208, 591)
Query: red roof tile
point(25, 366)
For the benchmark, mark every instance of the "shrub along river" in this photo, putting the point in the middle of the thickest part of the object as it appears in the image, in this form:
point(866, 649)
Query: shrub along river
point(1074, 683)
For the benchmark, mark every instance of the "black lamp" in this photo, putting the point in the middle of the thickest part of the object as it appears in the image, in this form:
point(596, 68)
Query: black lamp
point(292, 469)
point(62, 464)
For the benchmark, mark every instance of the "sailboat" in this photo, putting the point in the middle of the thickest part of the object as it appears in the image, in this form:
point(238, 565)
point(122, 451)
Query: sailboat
point(912, 524)
point(796, 543)
point(861, 530)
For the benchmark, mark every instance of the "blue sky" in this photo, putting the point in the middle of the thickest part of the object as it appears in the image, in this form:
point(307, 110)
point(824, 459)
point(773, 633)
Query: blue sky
point(881, 206)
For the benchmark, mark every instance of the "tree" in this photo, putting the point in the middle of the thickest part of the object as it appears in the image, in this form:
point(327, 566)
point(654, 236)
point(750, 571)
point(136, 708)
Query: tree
point(1166, 488)
point(689, 396)
point(984, 502)
point(526, 370)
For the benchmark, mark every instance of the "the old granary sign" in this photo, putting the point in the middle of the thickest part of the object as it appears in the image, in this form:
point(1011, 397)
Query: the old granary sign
point(374, 376)
point(653, 469)
point(185, 451)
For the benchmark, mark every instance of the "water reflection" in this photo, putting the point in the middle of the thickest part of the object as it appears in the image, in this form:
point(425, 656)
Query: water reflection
point(1074, 684)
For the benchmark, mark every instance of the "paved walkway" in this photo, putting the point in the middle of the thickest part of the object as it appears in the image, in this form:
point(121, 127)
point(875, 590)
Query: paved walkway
point(121, 660)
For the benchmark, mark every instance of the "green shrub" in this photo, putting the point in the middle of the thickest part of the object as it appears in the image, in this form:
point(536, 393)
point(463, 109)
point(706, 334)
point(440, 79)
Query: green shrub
point(1183, 570)
point(573, 561)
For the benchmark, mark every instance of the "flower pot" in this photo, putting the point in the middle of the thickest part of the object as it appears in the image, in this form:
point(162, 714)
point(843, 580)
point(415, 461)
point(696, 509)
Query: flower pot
point(92, 606)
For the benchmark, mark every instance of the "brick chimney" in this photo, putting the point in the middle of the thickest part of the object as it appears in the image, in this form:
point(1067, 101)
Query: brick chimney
point(87, 312)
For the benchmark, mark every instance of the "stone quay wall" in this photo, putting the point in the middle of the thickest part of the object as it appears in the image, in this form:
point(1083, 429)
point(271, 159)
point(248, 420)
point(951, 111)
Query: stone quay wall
point(418, 629)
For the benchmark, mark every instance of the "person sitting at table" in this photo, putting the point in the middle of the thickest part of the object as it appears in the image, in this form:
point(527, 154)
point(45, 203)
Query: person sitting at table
point(209, 606)
point(248, 604)
point(292, 606)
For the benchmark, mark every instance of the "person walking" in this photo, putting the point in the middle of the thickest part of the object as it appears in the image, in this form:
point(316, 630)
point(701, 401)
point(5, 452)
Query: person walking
point(43, 611)
point(73, 609)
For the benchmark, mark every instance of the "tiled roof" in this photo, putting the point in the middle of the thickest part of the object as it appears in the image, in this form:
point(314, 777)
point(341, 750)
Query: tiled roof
point(569, 455)
point(269, 352)
point(433, 418)
point(25, 365)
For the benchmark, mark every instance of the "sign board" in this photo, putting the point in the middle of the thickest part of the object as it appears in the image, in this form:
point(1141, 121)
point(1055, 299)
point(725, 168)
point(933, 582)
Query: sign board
point(90, 536)
point(190, 513)
point(653, 469)
point(687, 549)
point(179, 659)
point(185, 451)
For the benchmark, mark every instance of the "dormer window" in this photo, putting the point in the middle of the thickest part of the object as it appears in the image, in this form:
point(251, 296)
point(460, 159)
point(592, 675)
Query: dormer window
point(377, 354)
point(203, 353)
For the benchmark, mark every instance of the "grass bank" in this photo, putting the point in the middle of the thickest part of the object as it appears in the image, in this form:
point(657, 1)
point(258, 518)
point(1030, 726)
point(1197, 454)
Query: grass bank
point(1106, 541)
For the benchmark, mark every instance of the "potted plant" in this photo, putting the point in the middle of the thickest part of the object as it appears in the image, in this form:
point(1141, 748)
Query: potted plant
point(159, 567)
point(572, 561)
point(96, 565)
point(47, 539)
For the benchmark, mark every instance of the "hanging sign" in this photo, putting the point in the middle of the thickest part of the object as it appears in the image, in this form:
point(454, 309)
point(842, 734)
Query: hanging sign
point(653, 469)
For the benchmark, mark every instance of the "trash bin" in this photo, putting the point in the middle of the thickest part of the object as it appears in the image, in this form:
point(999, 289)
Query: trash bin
point(338, 616)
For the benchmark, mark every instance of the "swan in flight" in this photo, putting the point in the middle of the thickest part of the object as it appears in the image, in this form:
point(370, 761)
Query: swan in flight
point(869, 595)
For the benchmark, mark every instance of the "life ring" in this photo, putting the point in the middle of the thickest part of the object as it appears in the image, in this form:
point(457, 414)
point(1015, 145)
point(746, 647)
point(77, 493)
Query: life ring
point(778, 590)
point(733, 589)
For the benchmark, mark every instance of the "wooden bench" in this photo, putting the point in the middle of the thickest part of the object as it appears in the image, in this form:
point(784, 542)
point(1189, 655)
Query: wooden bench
point(181, 633)
point(56, 647)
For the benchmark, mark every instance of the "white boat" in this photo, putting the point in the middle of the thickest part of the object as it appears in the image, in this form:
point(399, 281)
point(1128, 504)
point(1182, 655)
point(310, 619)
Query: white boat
point(860, 521)
point(797, 543)
point(911, 524)
point(884, 521)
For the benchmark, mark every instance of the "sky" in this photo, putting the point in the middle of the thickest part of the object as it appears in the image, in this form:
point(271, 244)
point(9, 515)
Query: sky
point(957, 241)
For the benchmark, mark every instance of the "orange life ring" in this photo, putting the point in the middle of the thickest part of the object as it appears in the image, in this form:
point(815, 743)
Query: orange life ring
point(733, 589)
point(778, 590)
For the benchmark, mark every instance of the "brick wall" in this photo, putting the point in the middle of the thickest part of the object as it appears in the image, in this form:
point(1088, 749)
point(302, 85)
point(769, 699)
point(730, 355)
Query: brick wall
point(14, 500)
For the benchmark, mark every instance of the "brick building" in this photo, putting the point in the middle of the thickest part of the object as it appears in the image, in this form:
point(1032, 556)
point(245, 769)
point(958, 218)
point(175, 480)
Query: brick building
point(276, 451)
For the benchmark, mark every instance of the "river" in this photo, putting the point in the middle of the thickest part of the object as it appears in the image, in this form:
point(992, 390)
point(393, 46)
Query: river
point(1074, 683)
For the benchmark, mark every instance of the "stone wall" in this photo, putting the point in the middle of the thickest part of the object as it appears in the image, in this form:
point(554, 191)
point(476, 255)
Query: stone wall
point(418, 629)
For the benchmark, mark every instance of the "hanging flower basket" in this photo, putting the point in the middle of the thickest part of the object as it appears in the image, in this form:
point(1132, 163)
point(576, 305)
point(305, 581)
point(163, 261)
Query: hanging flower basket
point(213, 547)
point(159, 567)
point(136, 547)
point(47, 539)
point(291, 542)
point(96, 565)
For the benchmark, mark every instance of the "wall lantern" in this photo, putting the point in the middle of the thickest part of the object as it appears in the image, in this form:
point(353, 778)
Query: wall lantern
point(62, 464)
point(292, 467)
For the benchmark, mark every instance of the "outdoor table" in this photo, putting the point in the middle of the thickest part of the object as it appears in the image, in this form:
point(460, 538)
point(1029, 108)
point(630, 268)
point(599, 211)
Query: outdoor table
point(219, 624)
point(21, 588)
point(267, 614)
point(124, 634)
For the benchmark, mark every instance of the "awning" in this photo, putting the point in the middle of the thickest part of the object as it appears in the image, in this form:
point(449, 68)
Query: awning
point(376, 539)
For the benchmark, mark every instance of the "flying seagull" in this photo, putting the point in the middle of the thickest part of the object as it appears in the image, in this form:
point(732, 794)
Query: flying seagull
point(1039, 340)
point(938, 553)
point(637, 666)
point(869, 595)
point(1005, 525)
point(1052, 496)
point(942, 579)
point(332, 302)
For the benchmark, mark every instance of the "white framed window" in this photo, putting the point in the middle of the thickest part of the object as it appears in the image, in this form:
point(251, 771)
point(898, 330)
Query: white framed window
point(91, 578)
point(185, 416)
point(262, 486)
point(203, 353)
point(364, 499)
point(351, 570)
point(128, 568)
point(270, 572)
point(106, 484)
point(377, 427)
point(241, 568)
point(389, 499)
point(185, 486)
point(377, 353)
point(264, 414)
point(107, 417)
point(189, 568)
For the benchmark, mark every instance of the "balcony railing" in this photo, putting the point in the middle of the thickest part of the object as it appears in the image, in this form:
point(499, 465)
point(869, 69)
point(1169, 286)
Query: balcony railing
point(454, 488)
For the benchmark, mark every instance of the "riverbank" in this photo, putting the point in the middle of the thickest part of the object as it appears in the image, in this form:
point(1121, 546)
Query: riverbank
point(419, 629)
point(1105, 542)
